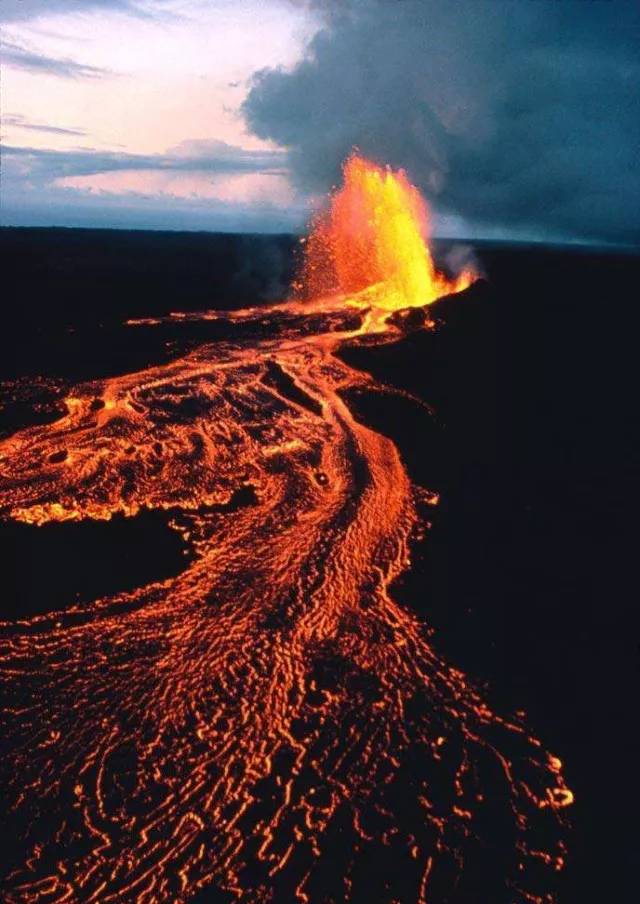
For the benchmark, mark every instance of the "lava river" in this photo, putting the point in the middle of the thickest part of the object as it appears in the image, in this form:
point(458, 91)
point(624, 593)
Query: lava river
point(269, 725)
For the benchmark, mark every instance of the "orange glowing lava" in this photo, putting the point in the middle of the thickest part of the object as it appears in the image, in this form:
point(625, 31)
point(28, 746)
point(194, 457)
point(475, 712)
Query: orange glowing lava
point(271, 723)
point(373, 242)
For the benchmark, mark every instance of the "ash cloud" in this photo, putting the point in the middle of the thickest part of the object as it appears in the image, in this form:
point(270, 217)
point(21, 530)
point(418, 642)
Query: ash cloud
point(521, 116)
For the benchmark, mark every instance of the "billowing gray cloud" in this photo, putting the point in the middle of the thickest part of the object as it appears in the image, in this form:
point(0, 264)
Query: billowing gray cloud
point(21, 122)
point(190, 156)
point(517, 115)
point(19, 57)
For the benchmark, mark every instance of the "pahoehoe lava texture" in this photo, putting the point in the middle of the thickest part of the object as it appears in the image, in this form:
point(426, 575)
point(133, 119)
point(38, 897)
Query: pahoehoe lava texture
point(269, 724)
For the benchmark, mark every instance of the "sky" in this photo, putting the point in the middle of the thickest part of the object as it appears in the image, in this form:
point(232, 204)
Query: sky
point(517, 118)
point(127, 113)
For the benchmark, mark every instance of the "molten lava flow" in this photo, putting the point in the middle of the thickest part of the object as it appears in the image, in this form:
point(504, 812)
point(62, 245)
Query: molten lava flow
point(373, 239)
point(270, 723)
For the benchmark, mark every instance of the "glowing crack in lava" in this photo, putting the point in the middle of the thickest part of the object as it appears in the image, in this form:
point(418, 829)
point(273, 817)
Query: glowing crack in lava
point(270, 725)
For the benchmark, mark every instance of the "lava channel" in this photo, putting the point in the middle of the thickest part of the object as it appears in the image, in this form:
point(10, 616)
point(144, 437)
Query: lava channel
point(270, 725)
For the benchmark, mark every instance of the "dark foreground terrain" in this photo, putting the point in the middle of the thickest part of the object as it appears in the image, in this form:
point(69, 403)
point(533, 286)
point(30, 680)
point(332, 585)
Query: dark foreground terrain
point(527, 574)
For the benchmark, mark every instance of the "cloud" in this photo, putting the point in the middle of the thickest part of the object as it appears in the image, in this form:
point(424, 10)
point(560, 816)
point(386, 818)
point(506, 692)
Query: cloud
point(16, 121)
point(18, 57)
point(27, 204)
point(21, 10)
point(197, 185)
point(206, 156)
point(516, 115)
point(17, 11)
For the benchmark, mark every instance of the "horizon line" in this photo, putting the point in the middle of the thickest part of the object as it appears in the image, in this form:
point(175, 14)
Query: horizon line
point(556, 243)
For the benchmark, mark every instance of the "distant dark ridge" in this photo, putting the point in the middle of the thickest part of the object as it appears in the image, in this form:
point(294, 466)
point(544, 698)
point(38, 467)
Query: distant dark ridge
point(68, 291)
point(589, 245)
point(564, 246)
point(124, 273)
point(7, 227)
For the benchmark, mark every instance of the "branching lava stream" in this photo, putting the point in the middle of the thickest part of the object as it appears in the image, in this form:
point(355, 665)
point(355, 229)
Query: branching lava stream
point(270, 723)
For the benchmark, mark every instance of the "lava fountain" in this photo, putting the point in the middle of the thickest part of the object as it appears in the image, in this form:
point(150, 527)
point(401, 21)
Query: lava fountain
point(271, 725)
point(372, 242)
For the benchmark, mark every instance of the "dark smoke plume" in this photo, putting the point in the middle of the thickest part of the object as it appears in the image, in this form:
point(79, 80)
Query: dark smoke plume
point(521, 116)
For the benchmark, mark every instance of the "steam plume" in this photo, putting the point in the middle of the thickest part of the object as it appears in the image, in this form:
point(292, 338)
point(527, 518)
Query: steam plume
point(519, 116)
